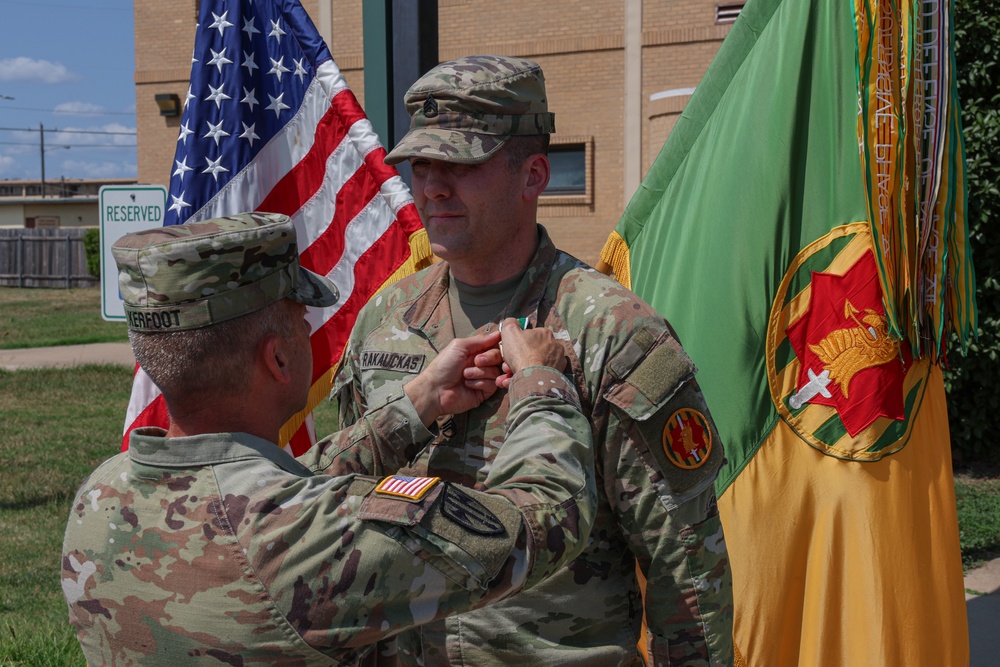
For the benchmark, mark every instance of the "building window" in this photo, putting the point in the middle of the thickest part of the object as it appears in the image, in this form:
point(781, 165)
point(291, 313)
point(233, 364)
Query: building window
point(569, 169)
point(728, 13)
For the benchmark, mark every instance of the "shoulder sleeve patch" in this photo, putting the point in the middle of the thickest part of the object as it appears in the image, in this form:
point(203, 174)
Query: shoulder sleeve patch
point(396, 510)
point(407, 488)
point(469, 513)
point(484, 525)
point(687, 439)
point(665, 417)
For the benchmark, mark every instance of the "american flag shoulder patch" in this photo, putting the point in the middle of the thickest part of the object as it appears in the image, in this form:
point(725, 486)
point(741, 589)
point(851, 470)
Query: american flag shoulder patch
point(411, 488)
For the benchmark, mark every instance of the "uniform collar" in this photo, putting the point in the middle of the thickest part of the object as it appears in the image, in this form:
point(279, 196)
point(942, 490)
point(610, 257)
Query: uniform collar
point(525, 303)
point(150, 446)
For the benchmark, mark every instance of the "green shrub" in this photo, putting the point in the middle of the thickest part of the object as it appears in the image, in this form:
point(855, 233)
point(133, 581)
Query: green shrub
point(92, 246)
point(971, 381)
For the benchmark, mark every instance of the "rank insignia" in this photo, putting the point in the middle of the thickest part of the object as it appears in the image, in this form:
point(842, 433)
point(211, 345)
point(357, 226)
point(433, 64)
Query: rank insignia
point(410, 488)
point(430, 107)
point(687, 439)
point(469, 513)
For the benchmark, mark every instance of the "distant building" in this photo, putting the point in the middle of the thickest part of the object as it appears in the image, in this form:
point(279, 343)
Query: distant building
point(69, 202)
point(618, 73)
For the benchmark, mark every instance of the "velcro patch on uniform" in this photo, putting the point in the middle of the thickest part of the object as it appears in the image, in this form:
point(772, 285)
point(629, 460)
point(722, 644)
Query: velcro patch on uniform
point(410, 488)
point(469, 513)
point(687, 439)
point(392, 361)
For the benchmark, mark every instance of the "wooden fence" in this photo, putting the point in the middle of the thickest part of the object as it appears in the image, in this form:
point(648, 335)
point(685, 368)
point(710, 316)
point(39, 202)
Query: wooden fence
point(44, 258)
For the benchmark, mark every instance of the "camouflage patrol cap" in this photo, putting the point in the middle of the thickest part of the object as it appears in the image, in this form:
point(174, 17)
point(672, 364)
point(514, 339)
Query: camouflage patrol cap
point(464, 110)
point(202, 273)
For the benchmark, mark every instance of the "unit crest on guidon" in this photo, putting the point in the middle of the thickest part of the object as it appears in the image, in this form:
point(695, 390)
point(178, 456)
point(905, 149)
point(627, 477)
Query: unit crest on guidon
point(836, 376)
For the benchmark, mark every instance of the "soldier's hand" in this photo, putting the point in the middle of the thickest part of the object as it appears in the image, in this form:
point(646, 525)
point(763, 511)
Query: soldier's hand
point(528, 347)
point(453, 383)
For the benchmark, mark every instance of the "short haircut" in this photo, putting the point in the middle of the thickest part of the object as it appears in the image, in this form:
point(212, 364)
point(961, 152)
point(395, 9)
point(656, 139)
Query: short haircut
point(213, 359)
point(520, 147)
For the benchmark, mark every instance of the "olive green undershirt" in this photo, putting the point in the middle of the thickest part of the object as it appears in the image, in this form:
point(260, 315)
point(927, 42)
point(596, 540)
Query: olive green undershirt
point(472, 307)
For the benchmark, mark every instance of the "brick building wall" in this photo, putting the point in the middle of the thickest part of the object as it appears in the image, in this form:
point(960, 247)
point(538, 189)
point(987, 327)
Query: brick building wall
point(580, 45)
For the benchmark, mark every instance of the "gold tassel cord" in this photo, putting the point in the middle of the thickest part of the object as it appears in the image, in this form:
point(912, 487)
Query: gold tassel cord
point(615, 255)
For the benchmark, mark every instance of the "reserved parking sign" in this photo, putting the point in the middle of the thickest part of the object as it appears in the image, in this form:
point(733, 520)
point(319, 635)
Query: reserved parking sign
point(124, 209)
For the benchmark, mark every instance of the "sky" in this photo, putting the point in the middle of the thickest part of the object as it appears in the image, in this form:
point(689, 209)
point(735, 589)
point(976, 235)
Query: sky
point(69, 66)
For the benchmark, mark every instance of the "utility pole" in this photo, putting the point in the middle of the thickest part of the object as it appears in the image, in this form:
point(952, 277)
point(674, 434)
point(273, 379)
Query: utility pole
point(41, 131)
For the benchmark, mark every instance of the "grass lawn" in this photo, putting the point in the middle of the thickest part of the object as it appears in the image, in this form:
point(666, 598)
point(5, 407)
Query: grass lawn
point(57, 426)
point(978, 518)
point(39, 317)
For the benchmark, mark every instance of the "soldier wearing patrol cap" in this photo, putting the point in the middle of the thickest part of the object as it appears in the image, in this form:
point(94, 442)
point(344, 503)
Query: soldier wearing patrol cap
point(477, 144)
point(208, 543)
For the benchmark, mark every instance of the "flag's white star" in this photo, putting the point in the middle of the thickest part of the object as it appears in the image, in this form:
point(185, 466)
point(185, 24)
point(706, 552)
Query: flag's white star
point(219, 59)
point(182, 168)
point(220, 22)
point(217, 95)
point(248, 27)
point(214, 168)
point(278, 67)
point(178, 204)
point(249, 99)
point(184, 133)
point(276, 105)
point(249, 63)
point(188, 97)
point(300, 70)
point(215, 132)
point(276, 30)
point(248, 133)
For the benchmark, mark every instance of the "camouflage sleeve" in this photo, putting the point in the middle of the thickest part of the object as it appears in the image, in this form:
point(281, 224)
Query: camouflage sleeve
point(546, 466)
point(662, 456)
point(377, 442)
point(378, 561)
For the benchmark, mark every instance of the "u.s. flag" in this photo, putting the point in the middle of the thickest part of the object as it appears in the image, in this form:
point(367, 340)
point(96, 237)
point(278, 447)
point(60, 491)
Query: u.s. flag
point(411, 488)
point(269, 124)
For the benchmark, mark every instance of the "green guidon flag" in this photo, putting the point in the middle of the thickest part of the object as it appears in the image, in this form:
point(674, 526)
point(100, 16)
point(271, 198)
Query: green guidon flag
point(803, 230)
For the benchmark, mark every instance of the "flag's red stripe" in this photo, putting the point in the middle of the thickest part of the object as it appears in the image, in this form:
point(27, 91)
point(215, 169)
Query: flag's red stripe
point(155, 414)
point(306, 177)
point(409, 219)
point(363, 186)
point(300, 442)
point(377, 263)
point(324, 253)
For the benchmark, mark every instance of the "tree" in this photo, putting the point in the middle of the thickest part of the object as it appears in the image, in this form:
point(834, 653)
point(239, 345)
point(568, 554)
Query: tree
point(973, 380)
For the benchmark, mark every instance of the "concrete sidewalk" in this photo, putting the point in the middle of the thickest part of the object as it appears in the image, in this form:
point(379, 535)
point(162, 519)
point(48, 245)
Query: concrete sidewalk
point(983, 604)
point(67, 355)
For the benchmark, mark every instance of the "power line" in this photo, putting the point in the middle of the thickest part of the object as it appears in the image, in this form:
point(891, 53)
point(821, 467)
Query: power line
point(68, 113)
point(35, 129)
point(45, 4)
point(22, 143)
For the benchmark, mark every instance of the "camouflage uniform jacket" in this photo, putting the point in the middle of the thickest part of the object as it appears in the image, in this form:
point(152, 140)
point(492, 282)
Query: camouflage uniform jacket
point(655, 507)
point(223, 549)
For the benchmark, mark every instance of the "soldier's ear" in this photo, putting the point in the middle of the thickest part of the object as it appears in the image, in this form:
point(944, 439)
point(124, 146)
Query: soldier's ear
point(273, 357)
point(537, 170)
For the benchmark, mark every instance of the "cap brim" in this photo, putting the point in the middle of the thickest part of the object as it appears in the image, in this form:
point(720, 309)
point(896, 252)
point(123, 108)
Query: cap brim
point(314, 290)
point(447, 145)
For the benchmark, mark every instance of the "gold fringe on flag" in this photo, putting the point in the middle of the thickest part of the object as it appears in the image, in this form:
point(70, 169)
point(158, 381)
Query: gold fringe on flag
point(615, 259)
